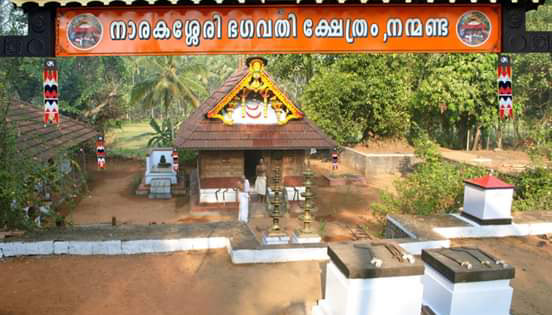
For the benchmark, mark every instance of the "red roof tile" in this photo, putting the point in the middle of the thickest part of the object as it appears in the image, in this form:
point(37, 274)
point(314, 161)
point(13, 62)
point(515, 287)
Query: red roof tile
point(488, 182)
point(43, 142)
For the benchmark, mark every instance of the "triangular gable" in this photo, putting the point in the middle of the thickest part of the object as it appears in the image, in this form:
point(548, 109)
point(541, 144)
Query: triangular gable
point(259, 93)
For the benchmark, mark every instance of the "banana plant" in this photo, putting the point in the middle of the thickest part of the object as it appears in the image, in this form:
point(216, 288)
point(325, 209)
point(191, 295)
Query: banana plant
point(163, 135)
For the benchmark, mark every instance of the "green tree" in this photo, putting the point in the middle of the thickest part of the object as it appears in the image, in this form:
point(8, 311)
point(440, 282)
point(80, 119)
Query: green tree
point(457, 94)
point(217, 69)
point(168, 81)
point(532, 90)
point(360, 96)
point(294, 72)
point(12, 21)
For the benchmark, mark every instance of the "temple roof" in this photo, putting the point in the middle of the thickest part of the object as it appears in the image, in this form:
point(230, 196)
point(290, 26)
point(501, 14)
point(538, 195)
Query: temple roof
point(201, 133)
point(37, 141)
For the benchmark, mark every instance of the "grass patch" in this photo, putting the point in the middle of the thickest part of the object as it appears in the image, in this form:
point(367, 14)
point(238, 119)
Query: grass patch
point(129, 141)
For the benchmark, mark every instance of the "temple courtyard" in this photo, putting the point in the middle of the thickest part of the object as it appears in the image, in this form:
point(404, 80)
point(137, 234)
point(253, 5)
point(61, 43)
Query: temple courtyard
point(343, 212)
point(206, 282)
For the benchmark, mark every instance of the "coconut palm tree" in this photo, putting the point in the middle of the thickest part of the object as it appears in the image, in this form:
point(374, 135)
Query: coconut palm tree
point(168, 81)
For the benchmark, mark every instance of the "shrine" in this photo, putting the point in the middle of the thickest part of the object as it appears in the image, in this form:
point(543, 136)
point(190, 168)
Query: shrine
point(247, 119)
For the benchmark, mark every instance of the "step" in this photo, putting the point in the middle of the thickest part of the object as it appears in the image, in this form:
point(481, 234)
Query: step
point(160, 188)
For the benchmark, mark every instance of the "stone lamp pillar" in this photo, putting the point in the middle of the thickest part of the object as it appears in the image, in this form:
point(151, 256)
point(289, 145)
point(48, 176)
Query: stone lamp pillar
point(371, 279)
point(462, 281)
point(306, 234)
point(488, 200)
point(275, 235)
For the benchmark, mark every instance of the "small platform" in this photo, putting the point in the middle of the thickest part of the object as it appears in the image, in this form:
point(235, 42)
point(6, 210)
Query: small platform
point(160, 189)
point(178, 189)
point(299, 238)
point(450, 226)
point(282, 239)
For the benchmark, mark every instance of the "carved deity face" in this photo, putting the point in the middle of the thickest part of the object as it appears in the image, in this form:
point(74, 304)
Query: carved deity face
point(257, 66)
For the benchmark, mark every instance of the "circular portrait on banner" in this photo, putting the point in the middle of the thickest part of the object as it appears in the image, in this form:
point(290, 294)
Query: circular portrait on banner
point(473, 28)
point(84, 31)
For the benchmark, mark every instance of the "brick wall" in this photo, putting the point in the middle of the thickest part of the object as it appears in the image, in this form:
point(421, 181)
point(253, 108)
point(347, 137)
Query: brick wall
point(231, 163)
point(293, 163)
point(220, 164)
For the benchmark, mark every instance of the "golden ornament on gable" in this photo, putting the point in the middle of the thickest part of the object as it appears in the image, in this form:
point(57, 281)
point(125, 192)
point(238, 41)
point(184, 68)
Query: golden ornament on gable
point(256, 81)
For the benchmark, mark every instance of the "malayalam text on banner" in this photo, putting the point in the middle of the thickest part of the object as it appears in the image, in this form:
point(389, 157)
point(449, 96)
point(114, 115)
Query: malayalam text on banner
point(277, 29)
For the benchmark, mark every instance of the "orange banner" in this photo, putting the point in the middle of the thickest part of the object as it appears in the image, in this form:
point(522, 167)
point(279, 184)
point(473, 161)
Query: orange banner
point(278, 29)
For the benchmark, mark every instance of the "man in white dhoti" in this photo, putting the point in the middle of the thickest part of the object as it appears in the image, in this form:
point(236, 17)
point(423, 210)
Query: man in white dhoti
point(260, 181)
point(244, 200)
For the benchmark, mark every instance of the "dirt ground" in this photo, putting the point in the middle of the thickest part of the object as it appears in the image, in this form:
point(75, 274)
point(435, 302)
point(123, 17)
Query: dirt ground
point(341, 209)
point(504, 161)
point(532, 258)
point(205, 283)
point(208, 283)
point(341, 213)
point(112, 193)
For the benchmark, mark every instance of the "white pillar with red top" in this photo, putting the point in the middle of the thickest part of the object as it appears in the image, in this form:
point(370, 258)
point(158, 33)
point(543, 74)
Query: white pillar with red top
point(488, 200)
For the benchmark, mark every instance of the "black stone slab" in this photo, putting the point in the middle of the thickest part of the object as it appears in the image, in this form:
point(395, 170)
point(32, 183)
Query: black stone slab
point(446, 262)
point(353, 260)
point(486, 221)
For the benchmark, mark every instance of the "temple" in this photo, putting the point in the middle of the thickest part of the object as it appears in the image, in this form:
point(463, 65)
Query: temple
point(248, 118)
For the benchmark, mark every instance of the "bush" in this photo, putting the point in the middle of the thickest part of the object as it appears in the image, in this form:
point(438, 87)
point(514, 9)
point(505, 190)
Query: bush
point(534, 186)
point(435, 186)
point(533, 190)
point(186, 155)
point(22, 186)
point(541, 154)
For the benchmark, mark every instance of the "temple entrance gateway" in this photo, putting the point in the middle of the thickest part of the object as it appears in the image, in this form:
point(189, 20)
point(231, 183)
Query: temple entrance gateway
point(250, 161)
point(101, 28)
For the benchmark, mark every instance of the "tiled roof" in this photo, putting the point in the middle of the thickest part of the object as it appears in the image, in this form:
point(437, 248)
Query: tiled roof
point(200, 133)
point(43, 142)
point(488, 182)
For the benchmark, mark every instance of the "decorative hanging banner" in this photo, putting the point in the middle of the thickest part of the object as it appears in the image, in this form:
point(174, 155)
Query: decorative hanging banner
point(505, 87)
point(175, 160)
point(277, 29)
point(100, 152)
point(50, 89)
